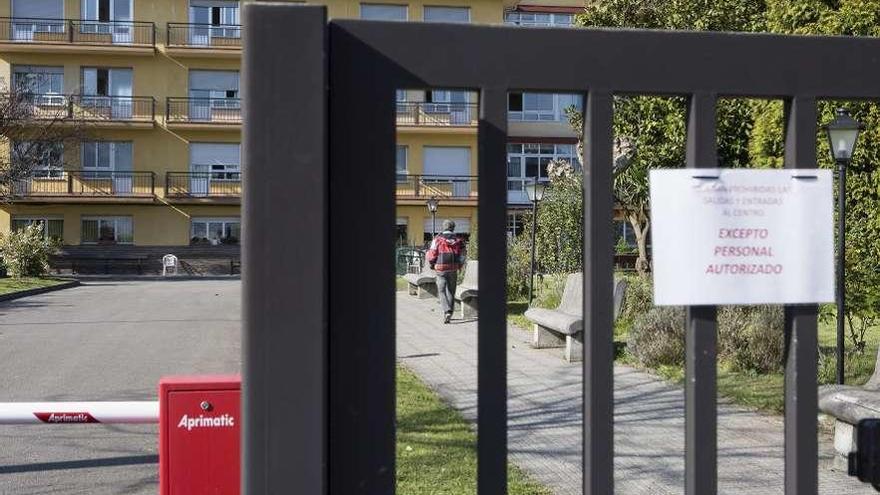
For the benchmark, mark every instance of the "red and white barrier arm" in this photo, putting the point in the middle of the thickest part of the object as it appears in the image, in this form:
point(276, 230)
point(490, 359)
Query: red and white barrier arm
point(25, 413)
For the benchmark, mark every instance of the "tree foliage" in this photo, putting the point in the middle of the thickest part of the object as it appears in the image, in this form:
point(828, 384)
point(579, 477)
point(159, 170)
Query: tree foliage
point(26, 251)
point(33, 133)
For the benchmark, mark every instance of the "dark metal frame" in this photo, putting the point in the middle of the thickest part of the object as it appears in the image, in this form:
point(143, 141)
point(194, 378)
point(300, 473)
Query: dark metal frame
point(319, 352)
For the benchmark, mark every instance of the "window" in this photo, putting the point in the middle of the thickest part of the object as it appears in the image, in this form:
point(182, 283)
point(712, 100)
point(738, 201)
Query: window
point(401, 165)
point(541, 107)
point(447, 14)
point(107, 92)
point(44, 158)
point(27, 15)
point(107, 230)
point(402, 237)
point(214, 162)
point(539, 19)
point(383, 12)
point(223, 17)
point(624, 236)
point(217, 89)
point(106, 158)
point(528, 160)
point(446, 101)
point(106, 11)
point(514, 224)
point(53, 227)
point(44, 84)
point(215, 231)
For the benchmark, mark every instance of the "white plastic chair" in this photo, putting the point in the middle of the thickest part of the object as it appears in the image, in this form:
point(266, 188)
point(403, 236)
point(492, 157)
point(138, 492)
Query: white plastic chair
point(169, 265)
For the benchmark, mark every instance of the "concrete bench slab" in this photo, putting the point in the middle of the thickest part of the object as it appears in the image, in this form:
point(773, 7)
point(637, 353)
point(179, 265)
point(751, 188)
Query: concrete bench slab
point(563, 326)
point(468, 290)
point(422, 285)
point(848, 405)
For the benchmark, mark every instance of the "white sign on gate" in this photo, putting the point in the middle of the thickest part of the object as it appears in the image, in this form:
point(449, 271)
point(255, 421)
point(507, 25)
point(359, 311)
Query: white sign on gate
point(722, 236)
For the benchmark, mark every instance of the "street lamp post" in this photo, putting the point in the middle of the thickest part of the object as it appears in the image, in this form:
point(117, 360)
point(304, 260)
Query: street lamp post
point(535, 192)
point(843, 133)
point(432, 207)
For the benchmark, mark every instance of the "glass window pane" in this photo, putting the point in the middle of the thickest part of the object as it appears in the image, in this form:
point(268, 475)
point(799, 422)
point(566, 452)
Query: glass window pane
point(89, 230)
point(233, 231)
point(124, 230)
point(106, 230)
point(55, 229)
point(514, 166)
point(379, 12)
point(447, 14)
point(531, 167)
point(215, 230)
point(200, 230)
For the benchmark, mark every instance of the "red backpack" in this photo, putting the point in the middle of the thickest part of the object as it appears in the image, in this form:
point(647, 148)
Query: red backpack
point(445, 253)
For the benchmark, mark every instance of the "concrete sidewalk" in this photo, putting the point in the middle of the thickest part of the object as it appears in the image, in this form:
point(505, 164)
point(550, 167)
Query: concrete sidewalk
point(544, 415)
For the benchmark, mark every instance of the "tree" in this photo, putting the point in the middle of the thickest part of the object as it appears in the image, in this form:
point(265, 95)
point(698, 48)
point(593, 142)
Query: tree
point(35, 131)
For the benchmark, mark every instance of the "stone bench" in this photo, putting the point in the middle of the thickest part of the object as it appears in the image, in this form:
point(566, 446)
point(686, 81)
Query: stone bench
point(466, 292)
point(564, 326)
point(848, 405)
point(422, 285)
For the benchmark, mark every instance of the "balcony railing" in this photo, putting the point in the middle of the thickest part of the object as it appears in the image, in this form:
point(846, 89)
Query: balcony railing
point(78, 32)
point(90, 108)
point(203, 184)
point(222, 36)
point(109, 184)
point(203, 110)
point(438, 186)
point(437, 114)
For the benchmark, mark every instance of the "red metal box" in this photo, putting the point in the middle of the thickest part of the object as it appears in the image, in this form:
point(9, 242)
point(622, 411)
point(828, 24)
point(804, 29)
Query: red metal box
point(199, 435)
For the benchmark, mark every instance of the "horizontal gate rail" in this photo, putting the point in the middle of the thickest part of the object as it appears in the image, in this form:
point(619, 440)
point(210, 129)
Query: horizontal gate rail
point(337, 118)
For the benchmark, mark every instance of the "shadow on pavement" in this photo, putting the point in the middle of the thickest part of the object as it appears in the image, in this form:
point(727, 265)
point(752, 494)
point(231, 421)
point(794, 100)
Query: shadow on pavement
point(80, 464)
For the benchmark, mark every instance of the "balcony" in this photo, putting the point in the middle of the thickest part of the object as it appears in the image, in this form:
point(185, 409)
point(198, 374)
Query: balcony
point(70, 35)
point(419, 188)
point(204, 40)
point(203, 186)
point(414, 115)
point(112, 111)
point(203, 112)
point(97, 186)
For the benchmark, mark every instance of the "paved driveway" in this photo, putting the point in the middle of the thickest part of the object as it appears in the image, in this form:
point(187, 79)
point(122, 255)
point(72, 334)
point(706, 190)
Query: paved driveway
point(105, 341)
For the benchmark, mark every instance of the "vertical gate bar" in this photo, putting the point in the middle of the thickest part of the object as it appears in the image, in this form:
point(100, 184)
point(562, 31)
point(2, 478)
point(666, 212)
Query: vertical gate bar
point(701, 413)
point(492, 325)
point(284, 319)
point(362, 350)
point(598, 362)
point(801, 449)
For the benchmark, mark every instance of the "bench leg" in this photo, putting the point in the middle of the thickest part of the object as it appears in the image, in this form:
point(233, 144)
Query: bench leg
point(844, 443)
point(574, 349)
point(469, 309)
point(543, 338)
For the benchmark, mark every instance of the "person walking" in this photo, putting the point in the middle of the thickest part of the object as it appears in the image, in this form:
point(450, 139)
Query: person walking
point(445, 257)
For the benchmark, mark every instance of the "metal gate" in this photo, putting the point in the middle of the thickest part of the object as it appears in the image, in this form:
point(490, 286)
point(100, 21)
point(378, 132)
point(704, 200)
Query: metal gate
point(319, 135)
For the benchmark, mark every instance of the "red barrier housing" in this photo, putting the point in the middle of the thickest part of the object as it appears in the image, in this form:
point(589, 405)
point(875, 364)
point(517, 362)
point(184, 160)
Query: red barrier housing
point(199, 435)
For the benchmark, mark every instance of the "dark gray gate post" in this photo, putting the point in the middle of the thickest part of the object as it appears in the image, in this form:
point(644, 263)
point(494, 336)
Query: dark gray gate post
point(284, 312)
point(598, 364)
point(801, 447)
point(701, 470)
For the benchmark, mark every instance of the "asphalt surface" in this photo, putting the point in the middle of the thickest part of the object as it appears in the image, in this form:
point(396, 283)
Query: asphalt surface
point(105, 340)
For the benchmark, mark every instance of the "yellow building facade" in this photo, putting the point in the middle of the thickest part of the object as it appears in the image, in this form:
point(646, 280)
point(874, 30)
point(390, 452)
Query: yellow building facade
point(155, 86)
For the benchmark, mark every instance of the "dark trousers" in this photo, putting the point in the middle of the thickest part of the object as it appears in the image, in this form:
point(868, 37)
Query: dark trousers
point(446, 282)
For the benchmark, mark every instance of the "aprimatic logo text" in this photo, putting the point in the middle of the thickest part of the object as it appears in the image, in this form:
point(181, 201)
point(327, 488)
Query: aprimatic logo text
point(202, 421)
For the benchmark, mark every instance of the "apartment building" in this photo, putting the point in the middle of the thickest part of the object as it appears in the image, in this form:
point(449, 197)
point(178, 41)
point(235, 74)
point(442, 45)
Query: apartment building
point(156, 86)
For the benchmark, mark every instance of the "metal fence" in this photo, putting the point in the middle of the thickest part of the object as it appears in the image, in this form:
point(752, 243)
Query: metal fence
point(203, 184)
point(441, 114)
point(109, 183)
point(216, 36)
point(436, 186)
point(203, 110)
point(78, 32)
point(319, 364)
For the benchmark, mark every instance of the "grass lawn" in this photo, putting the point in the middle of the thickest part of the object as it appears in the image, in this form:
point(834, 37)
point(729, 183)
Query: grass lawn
point(10, 285)
point(437, 448)
point(401, 283)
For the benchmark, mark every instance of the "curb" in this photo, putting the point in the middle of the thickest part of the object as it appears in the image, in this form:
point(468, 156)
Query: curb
point(38, 290)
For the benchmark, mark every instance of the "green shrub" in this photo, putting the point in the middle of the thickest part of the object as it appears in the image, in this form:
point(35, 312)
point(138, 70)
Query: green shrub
point(518, 263)
point(752, 338)
point(26, 251)
point(639, 298)
point(657, 337)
